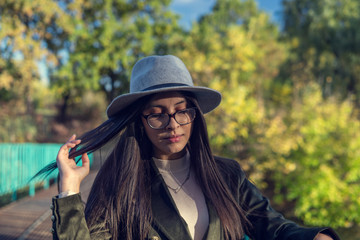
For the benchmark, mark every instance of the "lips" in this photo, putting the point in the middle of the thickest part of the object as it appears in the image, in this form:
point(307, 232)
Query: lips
point(173, 138)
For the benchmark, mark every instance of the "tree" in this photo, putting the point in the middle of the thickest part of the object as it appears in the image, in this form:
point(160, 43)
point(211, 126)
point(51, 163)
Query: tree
point(312, 154)
point(26, 28)
point(324, 40)
point(291, 145)
point(237, 54)
point(110, 36)
point(86, 47)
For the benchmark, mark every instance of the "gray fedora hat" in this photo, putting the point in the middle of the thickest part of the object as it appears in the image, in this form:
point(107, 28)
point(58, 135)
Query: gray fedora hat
point(155, 74)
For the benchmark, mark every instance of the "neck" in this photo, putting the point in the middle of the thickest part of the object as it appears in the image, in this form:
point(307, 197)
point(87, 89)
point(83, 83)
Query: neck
point(173, 156)
point(175, 165)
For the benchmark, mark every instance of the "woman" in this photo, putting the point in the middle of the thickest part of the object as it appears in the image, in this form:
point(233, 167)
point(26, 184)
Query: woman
point(161, 181)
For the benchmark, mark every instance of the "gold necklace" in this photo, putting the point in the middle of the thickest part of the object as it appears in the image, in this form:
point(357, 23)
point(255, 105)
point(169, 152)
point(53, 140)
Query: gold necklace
point(176, 190)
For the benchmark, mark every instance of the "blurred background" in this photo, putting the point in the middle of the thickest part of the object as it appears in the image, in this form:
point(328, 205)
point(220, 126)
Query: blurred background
point(289, 72)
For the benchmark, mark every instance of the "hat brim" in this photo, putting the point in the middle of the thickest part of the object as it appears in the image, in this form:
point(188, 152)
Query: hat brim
point(208, 98)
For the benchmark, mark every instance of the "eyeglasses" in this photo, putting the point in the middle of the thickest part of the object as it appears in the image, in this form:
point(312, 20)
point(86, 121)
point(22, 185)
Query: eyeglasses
point(161, 120)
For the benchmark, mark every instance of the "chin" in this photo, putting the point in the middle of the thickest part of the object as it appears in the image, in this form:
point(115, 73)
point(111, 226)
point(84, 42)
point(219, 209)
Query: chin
point(171, 151)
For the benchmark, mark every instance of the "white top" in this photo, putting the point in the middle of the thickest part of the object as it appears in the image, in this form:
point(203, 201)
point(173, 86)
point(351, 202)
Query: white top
point(189, 199)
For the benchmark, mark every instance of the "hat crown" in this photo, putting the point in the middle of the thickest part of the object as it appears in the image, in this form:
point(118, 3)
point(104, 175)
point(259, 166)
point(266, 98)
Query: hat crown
point(155, 74)
point(159, 72)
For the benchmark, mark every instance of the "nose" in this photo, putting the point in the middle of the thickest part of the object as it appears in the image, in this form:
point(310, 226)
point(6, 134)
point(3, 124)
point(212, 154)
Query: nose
point(172, 123)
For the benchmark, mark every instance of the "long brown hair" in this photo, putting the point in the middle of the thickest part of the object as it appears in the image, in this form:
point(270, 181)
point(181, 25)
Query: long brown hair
point(215, 189)
point(121, 193)
point(122, 187)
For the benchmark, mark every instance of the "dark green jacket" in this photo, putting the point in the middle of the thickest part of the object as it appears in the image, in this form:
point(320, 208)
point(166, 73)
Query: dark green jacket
point(69, 221)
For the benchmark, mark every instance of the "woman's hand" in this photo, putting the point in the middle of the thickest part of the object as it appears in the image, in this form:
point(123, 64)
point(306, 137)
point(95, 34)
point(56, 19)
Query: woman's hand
point(71, 175)
point(321, 236)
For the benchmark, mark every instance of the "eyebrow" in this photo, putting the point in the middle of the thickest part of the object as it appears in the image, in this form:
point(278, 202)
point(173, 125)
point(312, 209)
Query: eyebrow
point(160, 106)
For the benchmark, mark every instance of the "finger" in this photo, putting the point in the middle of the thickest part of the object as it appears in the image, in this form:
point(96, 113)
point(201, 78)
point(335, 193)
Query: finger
point(70, 144)
point(85, 161)
point(65, 148)
point(73, 137)
point(76, 141)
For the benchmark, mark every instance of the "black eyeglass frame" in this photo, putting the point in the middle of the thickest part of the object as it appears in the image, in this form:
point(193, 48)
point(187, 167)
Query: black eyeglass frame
point(170, 116)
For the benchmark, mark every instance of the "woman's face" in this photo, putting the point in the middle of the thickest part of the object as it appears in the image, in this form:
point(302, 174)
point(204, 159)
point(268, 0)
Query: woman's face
point(168, 143)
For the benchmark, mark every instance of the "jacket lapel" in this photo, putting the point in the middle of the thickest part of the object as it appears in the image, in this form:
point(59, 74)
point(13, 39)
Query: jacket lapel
point(215, 230)
point(165, 214)
point(167, 217)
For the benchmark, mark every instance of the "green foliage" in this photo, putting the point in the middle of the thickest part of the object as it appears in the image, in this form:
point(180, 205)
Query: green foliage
point(85, 45)
point(324, 40)
point(286, 136)
point(26, 27)
point(313, 156)
point(110, 36)
point(20, 129)
point(107, 38)
point(289, 112)
point(240, 61)
point(317, 141)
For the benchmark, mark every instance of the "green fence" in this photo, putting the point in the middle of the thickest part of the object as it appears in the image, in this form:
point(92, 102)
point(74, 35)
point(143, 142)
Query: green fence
point(20, 162)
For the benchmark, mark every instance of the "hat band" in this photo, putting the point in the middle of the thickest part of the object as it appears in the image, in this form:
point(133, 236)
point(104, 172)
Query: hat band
point(165, 85)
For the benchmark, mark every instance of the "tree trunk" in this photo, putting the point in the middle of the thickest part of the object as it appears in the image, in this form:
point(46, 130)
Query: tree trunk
point(62, 115)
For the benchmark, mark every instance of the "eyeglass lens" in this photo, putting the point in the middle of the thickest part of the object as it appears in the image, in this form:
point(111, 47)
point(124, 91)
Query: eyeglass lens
point(162, 120)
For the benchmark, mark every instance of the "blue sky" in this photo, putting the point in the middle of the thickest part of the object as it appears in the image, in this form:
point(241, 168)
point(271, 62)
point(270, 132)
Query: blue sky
point(190, 10)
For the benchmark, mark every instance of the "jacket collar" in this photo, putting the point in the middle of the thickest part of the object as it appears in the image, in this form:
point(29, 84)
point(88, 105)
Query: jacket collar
point(166, 216)
point(215, 229)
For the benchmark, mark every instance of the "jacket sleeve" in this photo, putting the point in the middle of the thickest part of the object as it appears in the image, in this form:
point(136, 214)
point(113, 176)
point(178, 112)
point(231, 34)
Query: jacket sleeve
point(269, 224)
point(266, 222)
point(69, 220)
